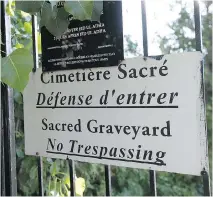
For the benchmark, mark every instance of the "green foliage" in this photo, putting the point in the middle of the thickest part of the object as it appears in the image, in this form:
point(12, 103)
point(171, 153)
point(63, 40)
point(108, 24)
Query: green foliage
point(54, 18)
point(32, 6)
point(131, 47)
point(16, 68)
point(80, 9)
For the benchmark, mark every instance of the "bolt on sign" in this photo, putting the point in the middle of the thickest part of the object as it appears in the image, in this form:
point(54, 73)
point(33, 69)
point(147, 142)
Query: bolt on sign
point(95, 42)
point(143, 113)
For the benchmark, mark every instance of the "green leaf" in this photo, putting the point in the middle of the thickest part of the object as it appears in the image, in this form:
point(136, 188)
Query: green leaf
point(56, 21)
point(16, 68)
point(53, 3)
point(81, 10)
point(19, 46)
point(28, 27)
point(39, 42)
point(32, 6)
point(33, 172)
point(54, 169)
point(97, 10)
point(10, 8)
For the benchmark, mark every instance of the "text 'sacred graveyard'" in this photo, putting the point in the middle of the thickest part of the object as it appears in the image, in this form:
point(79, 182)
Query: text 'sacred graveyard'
point(144, 113)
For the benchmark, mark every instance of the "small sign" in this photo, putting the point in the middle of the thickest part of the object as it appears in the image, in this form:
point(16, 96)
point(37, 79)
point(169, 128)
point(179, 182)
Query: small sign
point(86, 43)
point(144, 113)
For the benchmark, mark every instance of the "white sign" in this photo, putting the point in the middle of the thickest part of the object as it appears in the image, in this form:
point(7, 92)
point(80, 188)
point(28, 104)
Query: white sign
point(144, 113)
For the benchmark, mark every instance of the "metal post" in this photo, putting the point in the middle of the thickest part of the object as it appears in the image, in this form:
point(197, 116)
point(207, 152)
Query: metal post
point(35, 65)
point(198, 31)
point(152, 175)
point(40, 176)
point(3, 186)
point(206, 188)
point(199, 47)
point(72, 177)
point(9, 159)
point(107, 169)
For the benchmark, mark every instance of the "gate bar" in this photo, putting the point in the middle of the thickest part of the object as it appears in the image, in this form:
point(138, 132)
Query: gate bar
point(72, 177)
point(199, 47)
point(9, 161)
point(108, 185)
point(152, 175)
point(35, 65)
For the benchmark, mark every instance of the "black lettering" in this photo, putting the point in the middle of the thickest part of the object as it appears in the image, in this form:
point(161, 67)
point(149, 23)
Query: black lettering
point(43, 122)
point(88, 99)
point(103, 151)
point(165, 131)
point(49, 142)
point(131, 152)
point(161, 97)
point(146, 152)
point(150, 95)
point(63, 98)
point(98, 75)
point(105, 75)
point(122, 71)
point(113, 152)
point(133, 97)
point(90, 74)
point(122, 153)
point(119, 99)
point(87, 149)
point(163, 68)
point(172, 96)
point(159, 156)
point(141, 72)
point(50, 99)
point(39, 97)
point(152, 74)
point(42, 79)
point(60, 147)
point(89, 126)
point(69, 127)
point(95, 149)
point(125, 130)
point(56, 126)
point(132, 73)
point(69, 77)
point(72, 144)
point(80, 98)
point(61, 78)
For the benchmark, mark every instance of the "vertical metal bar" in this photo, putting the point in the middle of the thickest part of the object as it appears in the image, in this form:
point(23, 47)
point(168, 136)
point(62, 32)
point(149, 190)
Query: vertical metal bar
point(40, 176)
point(8, 113)
point(107, 169)
point(206, 187)
point(34, 38)
point(199, 47)
point(35, 65)
point(144, 28)
point(72, 177)
point(198, 31)
point(3, 187)
point(152, 175)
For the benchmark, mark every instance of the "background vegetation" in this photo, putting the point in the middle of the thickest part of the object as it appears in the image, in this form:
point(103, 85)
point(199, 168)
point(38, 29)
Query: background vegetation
point(125, 181)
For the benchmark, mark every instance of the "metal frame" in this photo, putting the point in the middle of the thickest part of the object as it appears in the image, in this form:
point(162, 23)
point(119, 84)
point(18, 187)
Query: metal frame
point(8, 184)
point(8, 159)
point(152, 174)
point(199, 47)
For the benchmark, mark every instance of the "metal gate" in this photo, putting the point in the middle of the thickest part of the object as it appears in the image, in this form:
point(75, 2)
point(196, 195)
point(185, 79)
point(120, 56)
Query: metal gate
point(7, 138)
